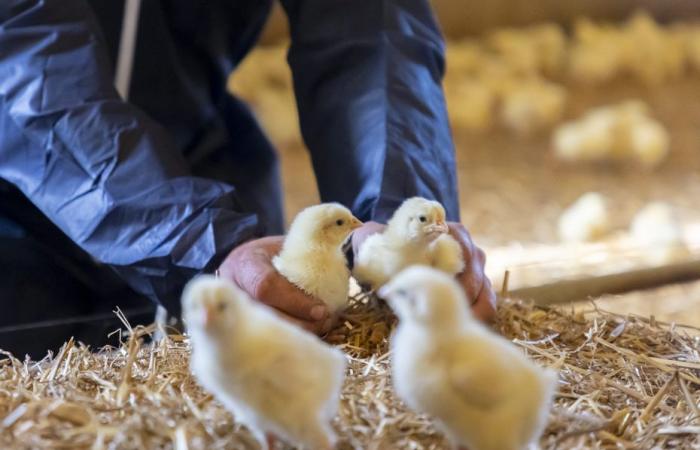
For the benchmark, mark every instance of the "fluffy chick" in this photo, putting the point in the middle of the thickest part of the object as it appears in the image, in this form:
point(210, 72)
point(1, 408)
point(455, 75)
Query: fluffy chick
point(617, 133)
point(312, 257)
point(649, 141)
point(274, 377)
point(532, 105)
point(657, 228)
point(596, 52)
point(586, 219)
point(416, 234)
point(483, 392)
point(470, 103)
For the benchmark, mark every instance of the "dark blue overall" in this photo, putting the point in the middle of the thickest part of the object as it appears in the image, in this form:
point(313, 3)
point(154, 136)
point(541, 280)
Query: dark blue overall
point(106, 202)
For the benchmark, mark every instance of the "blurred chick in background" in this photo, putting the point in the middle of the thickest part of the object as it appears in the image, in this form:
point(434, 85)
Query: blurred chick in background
point(312, 257)
point(657, 228)
point(587, 219)
point(484, 393)
point(618, 132)
point(275, 378)
point(417, 233)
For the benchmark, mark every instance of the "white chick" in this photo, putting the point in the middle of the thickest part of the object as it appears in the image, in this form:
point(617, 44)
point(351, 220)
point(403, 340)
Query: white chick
point(649, 142)
point(583, 141)
point(586, 219)
point(273, 376)
point(311, 256)
point(619, 132)
point(415, 234)
point(483, 392)
point(657, 228)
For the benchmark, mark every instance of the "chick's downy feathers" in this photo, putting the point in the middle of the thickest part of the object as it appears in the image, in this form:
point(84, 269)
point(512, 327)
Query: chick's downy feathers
point(273, 376)
point(417, 233)
point(484, 393)
point(312, 257)
point(587, 219)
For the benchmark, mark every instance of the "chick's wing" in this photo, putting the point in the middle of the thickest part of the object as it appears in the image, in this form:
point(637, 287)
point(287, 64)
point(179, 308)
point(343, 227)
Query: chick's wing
point(477, 376)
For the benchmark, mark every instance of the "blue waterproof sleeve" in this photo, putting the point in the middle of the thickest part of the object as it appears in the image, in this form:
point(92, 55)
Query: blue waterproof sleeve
point(98, 167)
point(367, 77)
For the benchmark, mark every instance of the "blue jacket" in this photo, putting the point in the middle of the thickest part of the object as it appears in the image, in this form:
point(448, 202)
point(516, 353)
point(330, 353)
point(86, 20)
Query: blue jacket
point(162, 187)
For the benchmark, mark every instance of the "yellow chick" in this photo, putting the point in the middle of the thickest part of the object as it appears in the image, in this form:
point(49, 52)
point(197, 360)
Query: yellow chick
point(596, 52)
point(651, 53)
point(276, 379)
point(484, 393)
point(649, 142)
point(617, 132)
point(470, 104)
point(532, 105)
point(463, 58)
point(551, 43)
point(586, 219)
point(264, 80)
point(417, 233)
point(538, 49)
point(311, 256)
point(517, 49)
point(689, 35)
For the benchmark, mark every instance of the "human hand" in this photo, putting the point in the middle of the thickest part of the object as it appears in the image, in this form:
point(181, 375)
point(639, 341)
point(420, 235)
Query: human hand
point(250, 267)
point(474, 281)
point(476, 284)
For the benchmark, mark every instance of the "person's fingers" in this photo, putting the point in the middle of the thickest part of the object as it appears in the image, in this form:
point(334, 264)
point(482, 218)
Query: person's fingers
point(473, 275)
point(476, 284)
point(250, 267)
point(276, 291)
point(319, 327)
point(484, 307)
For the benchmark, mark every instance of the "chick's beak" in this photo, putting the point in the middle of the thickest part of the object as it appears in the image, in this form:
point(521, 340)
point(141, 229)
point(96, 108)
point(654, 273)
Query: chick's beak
point(439, 227)
point(355, 223)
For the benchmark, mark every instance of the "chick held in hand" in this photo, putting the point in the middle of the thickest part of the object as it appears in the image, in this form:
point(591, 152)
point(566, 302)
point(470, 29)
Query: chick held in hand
point(276, 379)
point(417, 233)
point(312, 256)
point(483, 392)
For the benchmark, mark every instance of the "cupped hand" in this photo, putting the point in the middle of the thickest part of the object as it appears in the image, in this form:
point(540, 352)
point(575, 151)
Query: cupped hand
point(250, 267)
point(473, 279)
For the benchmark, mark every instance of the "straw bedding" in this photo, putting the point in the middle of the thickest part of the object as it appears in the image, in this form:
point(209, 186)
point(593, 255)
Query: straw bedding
point(625, 382)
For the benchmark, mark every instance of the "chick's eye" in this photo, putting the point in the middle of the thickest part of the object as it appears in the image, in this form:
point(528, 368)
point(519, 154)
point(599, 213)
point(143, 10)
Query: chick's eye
point(339, 222)
point(422, 218)
point(222, 306)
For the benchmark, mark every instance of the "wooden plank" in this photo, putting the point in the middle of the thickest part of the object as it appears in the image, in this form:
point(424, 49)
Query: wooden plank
point(592, 287)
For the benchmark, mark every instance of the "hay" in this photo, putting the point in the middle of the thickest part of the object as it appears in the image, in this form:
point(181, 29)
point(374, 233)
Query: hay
point(626, 382)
